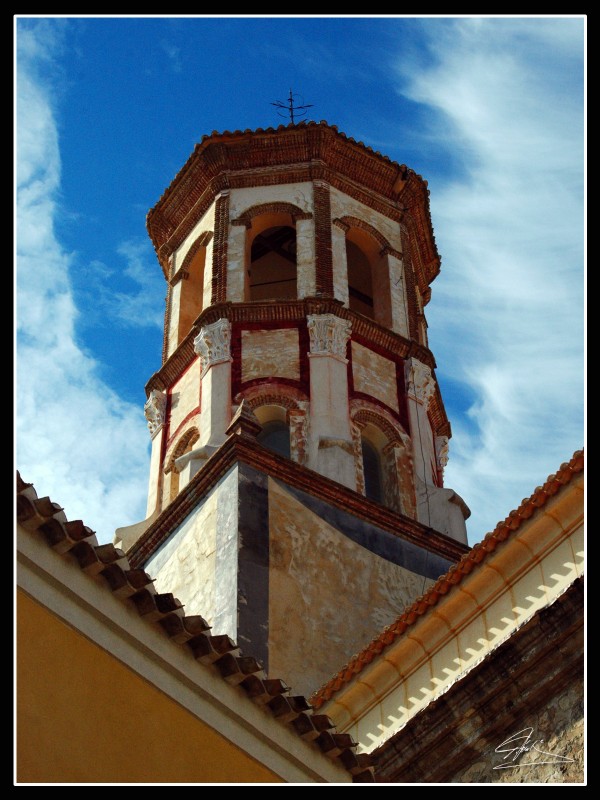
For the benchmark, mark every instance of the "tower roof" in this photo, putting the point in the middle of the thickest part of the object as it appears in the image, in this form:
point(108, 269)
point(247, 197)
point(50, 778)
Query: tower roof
point(299, 152)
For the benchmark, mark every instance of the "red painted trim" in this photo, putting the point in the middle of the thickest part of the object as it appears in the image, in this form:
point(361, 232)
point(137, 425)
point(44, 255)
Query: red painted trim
point(184, 421)
point(402, 414)
point(237, 385)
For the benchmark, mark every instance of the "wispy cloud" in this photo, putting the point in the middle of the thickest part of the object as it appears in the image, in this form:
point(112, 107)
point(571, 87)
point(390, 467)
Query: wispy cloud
point(173, 53)
point(76, 440)
point(506, 318)
point(134, 266)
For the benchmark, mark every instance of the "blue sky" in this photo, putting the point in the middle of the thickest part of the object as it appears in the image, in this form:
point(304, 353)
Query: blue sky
point(489, 110)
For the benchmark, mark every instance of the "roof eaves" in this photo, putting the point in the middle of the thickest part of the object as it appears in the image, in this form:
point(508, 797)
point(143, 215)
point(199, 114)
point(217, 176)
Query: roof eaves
point(218, 652)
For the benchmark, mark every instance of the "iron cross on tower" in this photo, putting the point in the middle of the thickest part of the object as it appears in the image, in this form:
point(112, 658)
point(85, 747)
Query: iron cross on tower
point(288, 107)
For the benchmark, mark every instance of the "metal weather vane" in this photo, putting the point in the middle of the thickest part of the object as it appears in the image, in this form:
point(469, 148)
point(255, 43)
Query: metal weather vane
point(287, 107)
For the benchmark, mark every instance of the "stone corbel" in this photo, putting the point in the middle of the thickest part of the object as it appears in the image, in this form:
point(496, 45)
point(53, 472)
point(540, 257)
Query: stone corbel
point(154, 411)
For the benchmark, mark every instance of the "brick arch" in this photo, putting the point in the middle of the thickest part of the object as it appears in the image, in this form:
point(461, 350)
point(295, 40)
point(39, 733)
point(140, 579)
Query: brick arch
point(272, 394)
point(354, 222)
point(391, 431)
point(189, 437)
point(248, 215)
point(201, 241)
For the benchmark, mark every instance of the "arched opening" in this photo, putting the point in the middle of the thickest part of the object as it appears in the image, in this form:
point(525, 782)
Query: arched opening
point(375, 463)
point(368, 276)
point(192, 294)
point(185, 445)
point(272, 270)
point(372, 471)
point(275, 434)
point(360, 280)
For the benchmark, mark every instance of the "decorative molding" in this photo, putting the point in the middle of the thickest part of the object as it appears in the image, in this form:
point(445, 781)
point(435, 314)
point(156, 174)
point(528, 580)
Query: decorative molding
point(213, 344)
point(181, 275)
point(389, 251)
point(341, 225)
point(295, 212)
point(328, 335)
point(393, 432)
point(154, 411)
point(189, 438)
point(355, 222)
point(420, 383)
point(183, 272)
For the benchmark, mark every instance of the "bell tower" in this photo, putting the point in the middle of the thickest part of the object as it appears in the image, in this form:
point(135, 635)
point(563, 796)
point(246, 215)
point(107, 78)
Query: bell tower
point(299, 436)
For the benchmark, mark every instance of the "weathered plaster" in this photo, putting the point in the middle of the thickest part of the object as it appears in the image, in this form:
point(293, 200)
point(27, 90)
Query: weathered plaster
point(327, 594)
point(270, 353)
point(374, 375)
point(198, 563)
point(185, 396)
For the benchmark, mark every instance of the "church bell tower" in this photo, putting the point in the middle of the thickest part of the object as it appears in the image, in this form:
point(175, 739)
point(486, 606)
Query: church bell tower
point(299, 436)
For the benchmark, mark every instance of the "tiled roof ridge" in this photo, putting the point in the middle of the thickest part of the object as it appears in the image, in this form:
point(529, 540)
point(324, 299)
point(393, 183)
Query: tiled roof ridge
point(219, 652)
point(454, 576)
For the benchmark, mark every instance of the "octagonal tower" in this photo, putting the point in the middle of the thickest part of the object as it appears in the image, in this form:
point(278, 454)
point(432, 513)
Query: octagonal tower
point(299, 436)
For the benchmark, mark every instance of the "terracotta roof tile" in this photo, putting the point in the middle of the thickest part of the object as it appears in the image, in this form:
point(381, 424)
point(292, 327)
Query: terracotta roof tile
point(218, 652)
point(455, 574)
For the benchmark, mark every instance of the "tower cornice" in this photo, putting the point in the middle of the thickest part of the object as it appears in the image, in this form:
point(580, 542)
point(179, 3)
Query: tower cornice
point(306, 151)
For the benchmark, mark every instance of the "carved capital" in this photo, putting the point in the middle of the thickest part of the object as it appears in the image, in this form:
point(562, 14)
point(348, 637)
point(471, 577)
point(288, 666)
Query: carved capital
point(213, 344)
point(328, 335)
point(154, 411)
point(442, 447)
point(419, 381)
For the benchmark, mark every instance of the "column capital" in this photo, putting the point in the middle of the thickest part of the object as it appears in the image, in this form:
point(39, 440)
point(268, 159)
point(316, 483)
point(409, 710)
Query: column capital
point(154, 411)
point(213, 344)
point(420, 382)
point(328, 335)
point(442, 446)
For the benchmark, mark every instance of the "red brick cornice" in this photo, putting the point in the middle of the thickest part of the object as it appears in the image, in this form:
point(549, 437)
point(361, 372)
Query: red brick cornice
point(270, 312)
point(249, 451)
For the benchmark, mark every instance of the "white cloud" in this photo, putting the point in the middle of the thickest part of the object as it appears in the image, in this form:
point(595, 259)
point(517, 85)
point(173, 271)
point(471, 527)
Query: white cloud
point(76, 440)
point(506, 317)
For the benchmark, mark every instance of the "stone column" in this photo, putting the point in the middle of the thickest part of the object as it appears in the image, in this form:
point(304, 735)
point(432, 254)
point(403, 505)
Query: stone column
point(340, 261)
point(331, 450)
point(398, 298)
point(154, 411)
point(236, 261)
point(305, 257)
point(213, 345)
point(420, 388)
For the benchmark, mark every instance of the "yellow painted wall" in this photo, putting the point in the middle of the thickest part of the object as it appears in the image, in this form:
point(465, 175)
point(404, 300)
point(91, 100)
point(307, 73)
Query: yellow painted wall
point(85, 717)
